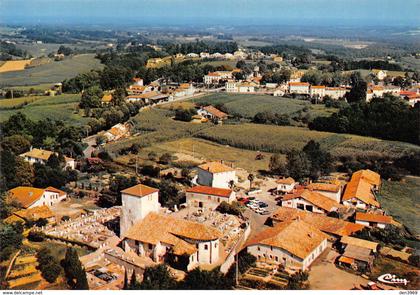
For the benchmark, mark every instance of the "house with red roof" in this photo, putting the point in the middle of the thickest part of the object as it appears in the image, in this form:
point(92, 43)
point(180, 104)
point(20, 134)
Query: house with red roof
point(208, 197)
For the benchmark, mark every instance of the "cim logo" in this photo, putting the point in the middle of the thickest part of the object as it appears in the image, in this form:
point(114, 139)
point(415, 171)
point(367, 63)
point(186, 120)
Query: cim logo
point(392, 279)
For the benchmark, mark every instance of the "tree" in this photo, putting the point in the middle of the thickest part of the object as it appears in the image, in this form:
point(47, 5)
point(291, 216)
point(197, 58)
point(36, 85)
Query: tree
point(297, 280)
point(321, 161)
point(75, 274)
point(185, 114)
point(152, 156)
point(298, 165)
point(91, 97)
point(14, 171)
point(64, 50)
point(165, 158)
point(198, 279)
point(234, 208)
point(157, 278)
point(414, 260)
point(245, 262)
point(118, 97)
point(49, 267)
point(358, 90)
point(16, 144)
point(277, 165)
point(251, 179)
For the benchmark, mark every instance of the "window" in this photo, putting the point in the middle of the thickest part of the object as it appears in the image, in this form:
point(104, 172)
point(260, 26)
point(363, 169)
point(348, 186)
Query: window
point(271, 248)
point(150, 246)
point(276, 258)
point(271, 256)
point(206, 247)
point(218, 200)
point(258, 248)
point(300, 206)
point(209, 198)
point(215, 245)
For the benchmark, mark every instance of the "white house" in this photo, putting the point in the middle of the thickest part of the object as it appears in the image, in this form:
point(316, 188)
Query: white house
point(231, 86)
point(216, 174)
point(360, 190)
point(193, 55)
point(373, 220)
point(299, 87)
point(30, 197)
point(160, 236)
point(216, 77)
point(292, 244)
point(246, 87)
point(210, 112)
point(271, 85)
point(310, 201)
point(205, 55)
point(330, 190)
point(138, 81)
point(380, 74)
point(42, 156)
point(137, 202)
point(209, 197)
point(286, 185)
point(318, 91)
point(335, 92)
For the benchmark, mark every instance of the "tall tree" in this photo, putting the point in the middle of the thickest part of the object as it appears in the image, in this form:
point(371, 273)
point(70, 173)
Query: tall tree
point(75, 273)
point(157, 278)
point(298, 165)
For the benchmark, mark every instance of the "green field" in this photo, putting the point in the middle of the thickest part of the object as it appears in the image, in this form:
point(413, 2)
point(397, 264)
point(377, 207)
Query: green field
point(52, 72)
point(401, 200)
point(156, 127)
point(281, 139)
point(248, 105)
point(61, 107)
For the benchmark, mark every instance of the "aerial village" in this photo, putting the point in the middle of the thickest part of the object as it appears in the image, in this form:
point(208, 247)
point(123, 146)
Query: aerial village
point(316, 229)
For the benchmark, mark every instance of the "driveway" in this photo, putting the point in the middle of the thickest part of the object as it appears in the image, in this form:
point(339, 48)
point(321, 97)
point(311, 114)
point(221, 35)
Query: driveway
point(324, 275)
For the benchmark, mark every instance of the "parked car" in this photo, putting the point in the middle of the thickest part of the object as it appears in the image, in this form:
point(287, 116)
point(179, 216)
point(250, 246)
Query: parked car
point(262, 211)
point(262, 204)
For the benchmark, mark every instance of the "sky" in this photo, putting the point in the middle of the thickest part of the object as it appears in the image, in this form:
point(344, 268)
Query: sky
point(216, 12)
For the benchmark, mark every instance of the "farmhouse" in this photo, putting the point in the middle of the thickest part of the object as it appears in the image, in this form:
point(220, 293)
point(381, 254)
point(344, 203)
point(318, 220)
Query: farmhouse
point(216, 77)
point(293, 244)
point(210, 112)
point(162, 237)
point(332, 226)
point(117, 132)
point(137, 202)
point(360, 190)
point(42, 156)
point(231, 86)
point(330, 190)
point(30, 197)
point(347, 241)
point(335, 92)
point(357, 258)
point(286, 185)
point(299, 87)
point(310, 201)
point(246, 87)
point(374, 220)
point(318, 91)
point(208, 197)
point(216, 174)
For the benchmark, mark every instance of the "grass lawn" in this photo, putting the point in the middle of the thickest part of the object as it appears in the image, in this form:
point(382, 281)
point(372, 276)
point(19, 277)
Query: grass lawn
point(51, 72)
point(61, 107)
point(247, 105)
point(401, 200)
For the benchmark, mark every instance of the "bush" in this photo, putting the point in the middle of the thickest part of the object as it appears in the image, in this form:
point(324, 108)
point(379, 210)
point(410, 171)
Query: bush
point(35, 236)
point(234, 208)
point(49, 267)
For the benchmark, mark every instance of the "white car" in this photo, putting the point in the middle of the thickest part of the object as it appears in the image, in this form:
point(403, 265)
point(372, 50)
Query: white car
point(253, 206)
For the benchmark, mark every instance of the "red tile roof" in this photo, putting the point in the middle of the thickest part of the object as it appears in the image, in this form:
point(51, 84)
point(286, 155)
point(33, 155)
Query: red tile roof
point(373, 217)
point(140, 190)
point(208, 190)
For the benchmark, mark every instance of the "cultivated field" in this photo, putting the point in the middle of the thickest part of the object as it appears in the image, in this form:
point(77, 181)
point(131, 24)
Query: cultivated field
point(52, 72)
point(281, 139)
point(14, 65)
point(156, 127)
point(62, 107)
point(401, 200)
point(247, 105)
